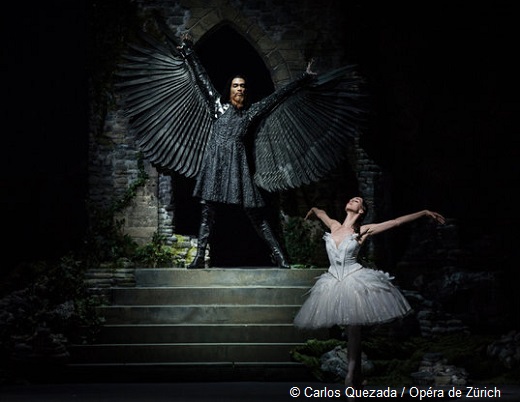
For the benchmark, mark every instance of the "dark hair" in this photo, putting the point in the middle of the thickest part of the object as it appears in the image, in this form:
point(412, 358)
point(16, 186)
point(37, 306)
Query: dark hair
point(227, 89)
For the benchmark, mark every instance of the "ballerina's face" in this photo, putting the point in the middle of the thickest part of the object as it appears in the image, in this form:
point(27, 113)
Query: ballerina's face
point(355, 205)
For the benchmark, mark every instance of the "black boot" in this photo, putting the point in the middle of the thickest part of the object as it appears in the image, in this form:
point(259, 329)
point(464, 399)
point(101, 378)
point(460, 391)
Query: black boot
point(206, 223)
point(265, 231)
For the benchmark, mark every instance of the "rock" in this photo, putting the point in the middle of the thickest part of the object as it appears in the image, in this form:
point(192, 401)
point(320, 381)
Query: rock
point(434, 370)
point(506, 349)
point(335, 362)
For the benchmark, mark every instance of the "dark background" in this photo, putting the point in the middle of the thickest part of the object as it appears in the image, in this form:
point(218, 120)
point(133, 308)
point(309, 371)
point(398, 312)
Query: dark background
point(444, 129)
point(43, 171)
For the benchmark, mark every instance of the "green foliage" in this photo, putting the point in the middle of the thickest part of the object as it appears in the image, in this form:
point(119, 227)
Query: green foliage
point(105, 238)
point(395, 359)
point(21, 274)
point(39, 321)
point(468, 351)
point(107, 243)
point(304, 244)
point(310, 353)
point(157, 254)
point(130, 193)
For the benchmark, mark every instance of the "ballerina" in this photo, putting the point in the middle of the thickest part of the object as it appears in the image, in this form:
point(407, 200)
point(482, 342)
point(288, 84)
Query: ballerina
point(349, 294)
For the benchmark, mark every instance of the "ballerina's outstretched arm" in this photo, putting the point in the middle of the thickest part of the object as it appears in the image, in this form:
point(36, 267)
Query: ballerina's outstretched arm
point(376, 228)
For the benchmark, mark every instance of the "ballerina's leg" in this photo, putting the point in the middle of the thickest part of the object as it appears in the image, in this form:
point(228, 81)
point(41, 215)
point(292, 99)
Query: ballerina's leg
point(353, 377)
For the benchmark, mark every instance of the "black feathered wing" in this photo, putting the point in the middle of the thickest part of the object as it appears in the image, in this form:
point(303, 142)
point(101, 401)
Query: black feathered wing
point(309, 133)
point(167, 110)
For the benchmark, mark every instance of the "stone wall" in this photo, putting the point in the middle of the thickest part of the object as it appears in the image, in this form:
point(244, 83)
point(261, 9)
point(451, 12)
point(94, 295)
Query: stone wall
point(113, 167)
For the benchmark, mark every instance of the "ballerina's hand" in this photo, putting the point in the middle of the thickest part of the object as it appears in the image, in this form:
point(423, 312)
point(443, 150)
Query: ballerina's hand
point(361, 235)
point(436, 216)
point(309, 213)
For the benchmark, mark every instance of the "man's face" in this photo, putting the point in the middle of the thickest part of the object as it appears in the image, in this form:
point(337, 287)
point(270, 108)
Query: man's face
point(237, 92)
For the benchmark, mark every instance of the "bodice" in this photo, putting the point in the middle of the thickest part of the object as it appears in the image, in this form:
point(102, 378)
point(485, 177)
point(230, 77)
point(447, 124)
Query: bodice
point(342, 257)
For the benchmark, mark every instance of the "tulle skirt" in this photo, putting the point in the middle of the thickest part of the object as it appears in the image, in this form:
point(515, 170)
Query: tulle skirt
point(364, 297)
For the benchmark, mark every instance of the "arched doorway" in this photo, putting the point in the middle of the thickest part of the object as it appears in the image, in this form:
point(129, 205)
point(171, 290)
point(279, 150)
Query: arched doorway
point(224, 52)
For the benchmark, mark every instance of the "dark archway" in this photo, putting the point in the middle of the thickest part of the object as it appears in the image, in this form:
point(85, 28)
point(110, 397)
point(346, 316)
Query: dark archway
point(224, 52)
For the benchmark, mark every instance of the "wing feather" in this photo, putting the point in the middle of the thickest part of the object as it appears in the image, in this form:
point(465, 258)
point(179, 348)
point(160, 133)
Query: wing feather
point(166, 109)
point(309, 133)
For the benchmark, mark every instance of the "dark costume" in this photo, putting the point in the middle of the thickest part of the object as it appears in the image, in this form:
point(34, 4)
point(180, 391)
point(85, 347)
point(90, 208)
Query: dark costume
point(225, 174)
point(300, 132)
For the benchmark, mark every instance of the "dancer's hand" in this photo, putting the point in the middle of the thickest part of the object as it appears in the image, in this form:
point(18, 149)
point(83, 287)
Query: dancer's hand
point(186, 37)
point(186, 44)
point(436, 217)
point(310, 213)
point(308, 70)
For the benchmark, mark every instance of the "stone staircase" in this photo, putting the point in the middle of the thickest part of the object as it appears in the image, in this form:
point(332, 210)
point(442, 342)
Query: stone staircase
point(200, 325)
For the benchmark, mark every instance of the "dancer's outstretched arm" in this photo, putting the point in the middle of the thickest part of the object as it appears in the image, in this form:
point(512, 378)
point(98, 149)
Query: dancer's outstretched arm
point(376, 228)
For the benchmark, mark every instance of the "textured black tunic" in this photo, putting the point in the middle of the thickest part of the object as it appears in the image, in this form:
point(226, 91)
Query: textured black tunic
point(225, 175)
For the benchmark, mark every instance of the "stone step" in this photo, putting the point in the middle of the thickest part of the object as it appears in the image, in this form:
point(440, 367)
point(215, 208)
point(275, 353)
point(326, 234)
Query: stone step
point(182, 353)
point(199, 314)
point(201, 333)
point(218, 323)
point(191, 295)
point(156, 277)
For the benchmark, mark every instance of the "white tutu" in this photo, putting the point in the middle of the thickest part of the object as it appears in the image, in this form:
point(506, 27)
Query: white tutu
point(350, 294)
